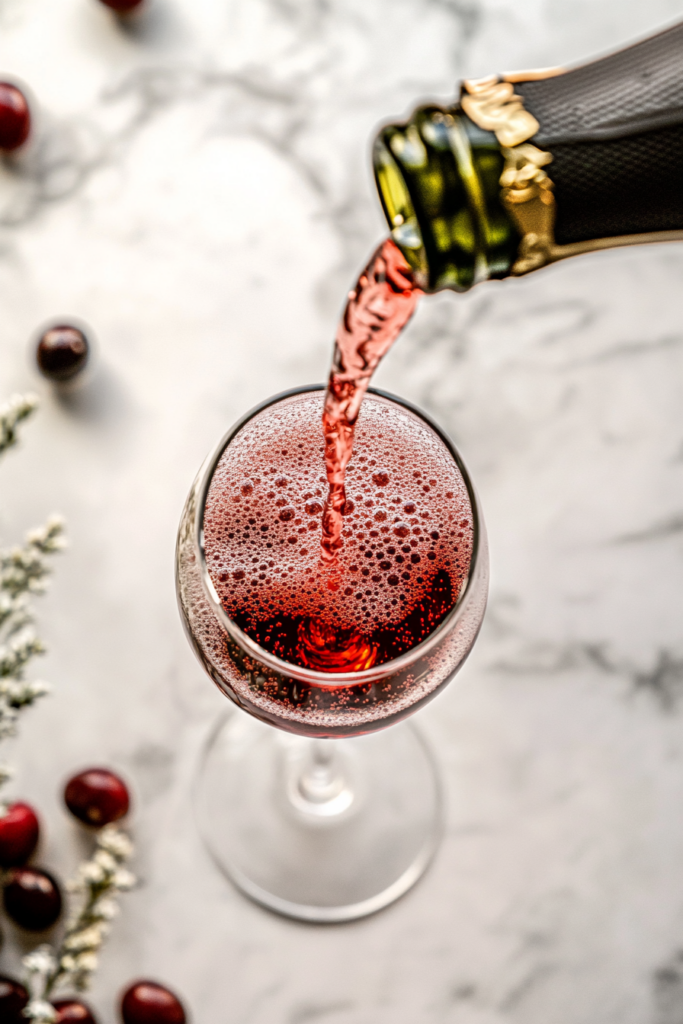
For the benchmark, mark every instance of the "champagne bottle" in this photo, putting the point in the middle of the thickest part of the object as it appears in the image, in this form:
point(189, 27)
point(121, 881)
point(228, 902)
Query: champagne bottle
point(532, 167)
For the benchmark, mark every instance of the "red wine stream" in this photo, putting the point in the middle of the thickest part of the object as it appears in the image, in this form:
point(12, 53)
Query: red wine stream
point(376, 312)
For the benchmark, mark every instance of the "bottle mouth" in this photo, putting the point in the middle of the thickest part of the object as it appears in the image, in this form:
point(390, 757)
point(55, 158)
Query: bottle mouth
point(438, 178)
point(399, 209)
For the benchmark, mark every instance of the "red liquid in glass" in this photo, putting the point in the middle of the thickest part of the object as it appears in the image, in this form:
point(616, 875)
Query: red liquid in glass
point(407, 528)
point(376, 312)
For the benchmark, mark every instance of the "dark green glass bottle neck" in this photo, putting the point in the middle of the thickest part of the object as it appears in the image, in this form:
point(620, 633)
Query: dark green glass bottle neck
point(438, 179)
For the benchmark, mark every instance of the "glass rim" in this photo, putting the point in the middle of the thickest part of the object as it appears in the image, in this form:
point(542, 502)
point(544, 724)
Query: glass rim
point(331, 680)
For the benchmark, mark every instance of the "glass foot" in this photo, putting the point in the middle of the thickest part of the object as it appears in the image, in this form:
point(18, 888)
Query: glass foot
point(318, 830)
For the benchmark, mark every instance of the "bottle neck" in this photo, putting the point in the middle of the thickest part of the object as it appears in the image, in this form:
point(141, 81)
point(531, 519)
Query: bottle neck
point(535, 167)
point(438, 180)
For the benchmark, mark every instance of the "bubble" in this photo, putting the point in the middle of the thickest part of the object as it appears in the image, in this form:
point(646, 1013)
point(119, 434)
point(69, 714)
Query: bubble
point(247, 486)
point(284, 527)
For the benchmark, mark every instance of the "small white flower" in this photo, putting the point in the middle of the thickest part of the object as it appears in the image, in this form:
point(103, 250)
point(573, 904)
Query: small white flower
point(87, 962)
point(68, 963)
point(124, 879)
point(115, 842)
point(38, 688)
point(41, 1011)
point(105, 909)
point(105, 860)
point(40, 961)
point(92, 873)
point(88, 938)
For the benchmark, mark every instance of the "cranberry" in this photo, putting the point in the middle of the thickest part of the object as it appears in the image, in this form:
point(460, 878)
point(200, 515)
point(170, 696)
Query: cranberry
point(122, 6)
point(97, 797)
point(19, 832)
point(32, 899)
point(145, 1002)
point(62, 352)
point(72, 1011)
point(15, 119)
point(13, 999)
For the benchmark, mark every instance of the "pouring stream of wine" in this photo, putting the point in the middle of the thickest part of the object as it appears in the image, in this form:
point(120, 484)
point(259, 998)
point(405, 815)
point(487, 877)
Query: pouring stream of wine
point(377, 310)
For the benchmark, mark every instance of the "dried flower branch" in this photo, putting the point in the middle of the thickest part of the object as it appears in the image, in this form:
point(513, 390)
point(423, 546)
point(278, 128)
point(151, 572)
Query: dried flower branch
point(39, 966)
point(16, 409)
point(23, 573)
point(99, 881)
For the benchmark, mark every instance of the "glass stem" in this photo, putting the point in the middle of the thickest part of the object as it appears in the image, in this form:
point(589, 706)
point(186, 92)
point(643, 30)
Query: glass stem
point(321, 785)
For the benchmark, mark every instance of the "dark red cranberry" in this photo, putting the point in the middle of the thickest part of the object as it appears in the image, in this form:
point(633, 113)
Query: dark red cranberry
point(62, 352)
point(122, 6)
point(73, 1011)
point(15, 118)
point(32, 899)
point(97, 797)
point(13, 999)
point(145, 1002)
point(19, 830)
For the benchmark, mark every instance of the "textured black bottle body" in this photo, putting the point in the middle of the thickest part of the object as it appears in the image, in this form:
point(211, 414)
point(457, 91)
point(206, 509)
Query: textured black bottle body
point(614, 131)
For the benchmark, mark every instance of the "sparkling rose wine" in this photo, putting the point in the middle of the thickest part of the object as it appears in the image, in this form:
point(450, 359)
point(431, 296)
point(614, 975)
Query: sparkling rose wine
point(376, 312)
point(350, 646)
point(407, 530)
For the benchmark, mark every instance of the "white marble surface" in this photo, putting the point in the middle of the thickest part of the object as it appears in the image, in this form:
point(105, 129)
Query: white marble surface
point(199, 193)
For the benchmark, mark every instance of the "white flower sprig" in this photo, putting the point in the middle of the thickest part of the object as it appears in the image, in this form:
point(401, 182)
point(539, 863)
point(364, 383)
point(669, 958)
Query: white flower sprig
point(39, 966)
point(16, 409)
point(23, 573)
point(98, 881)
